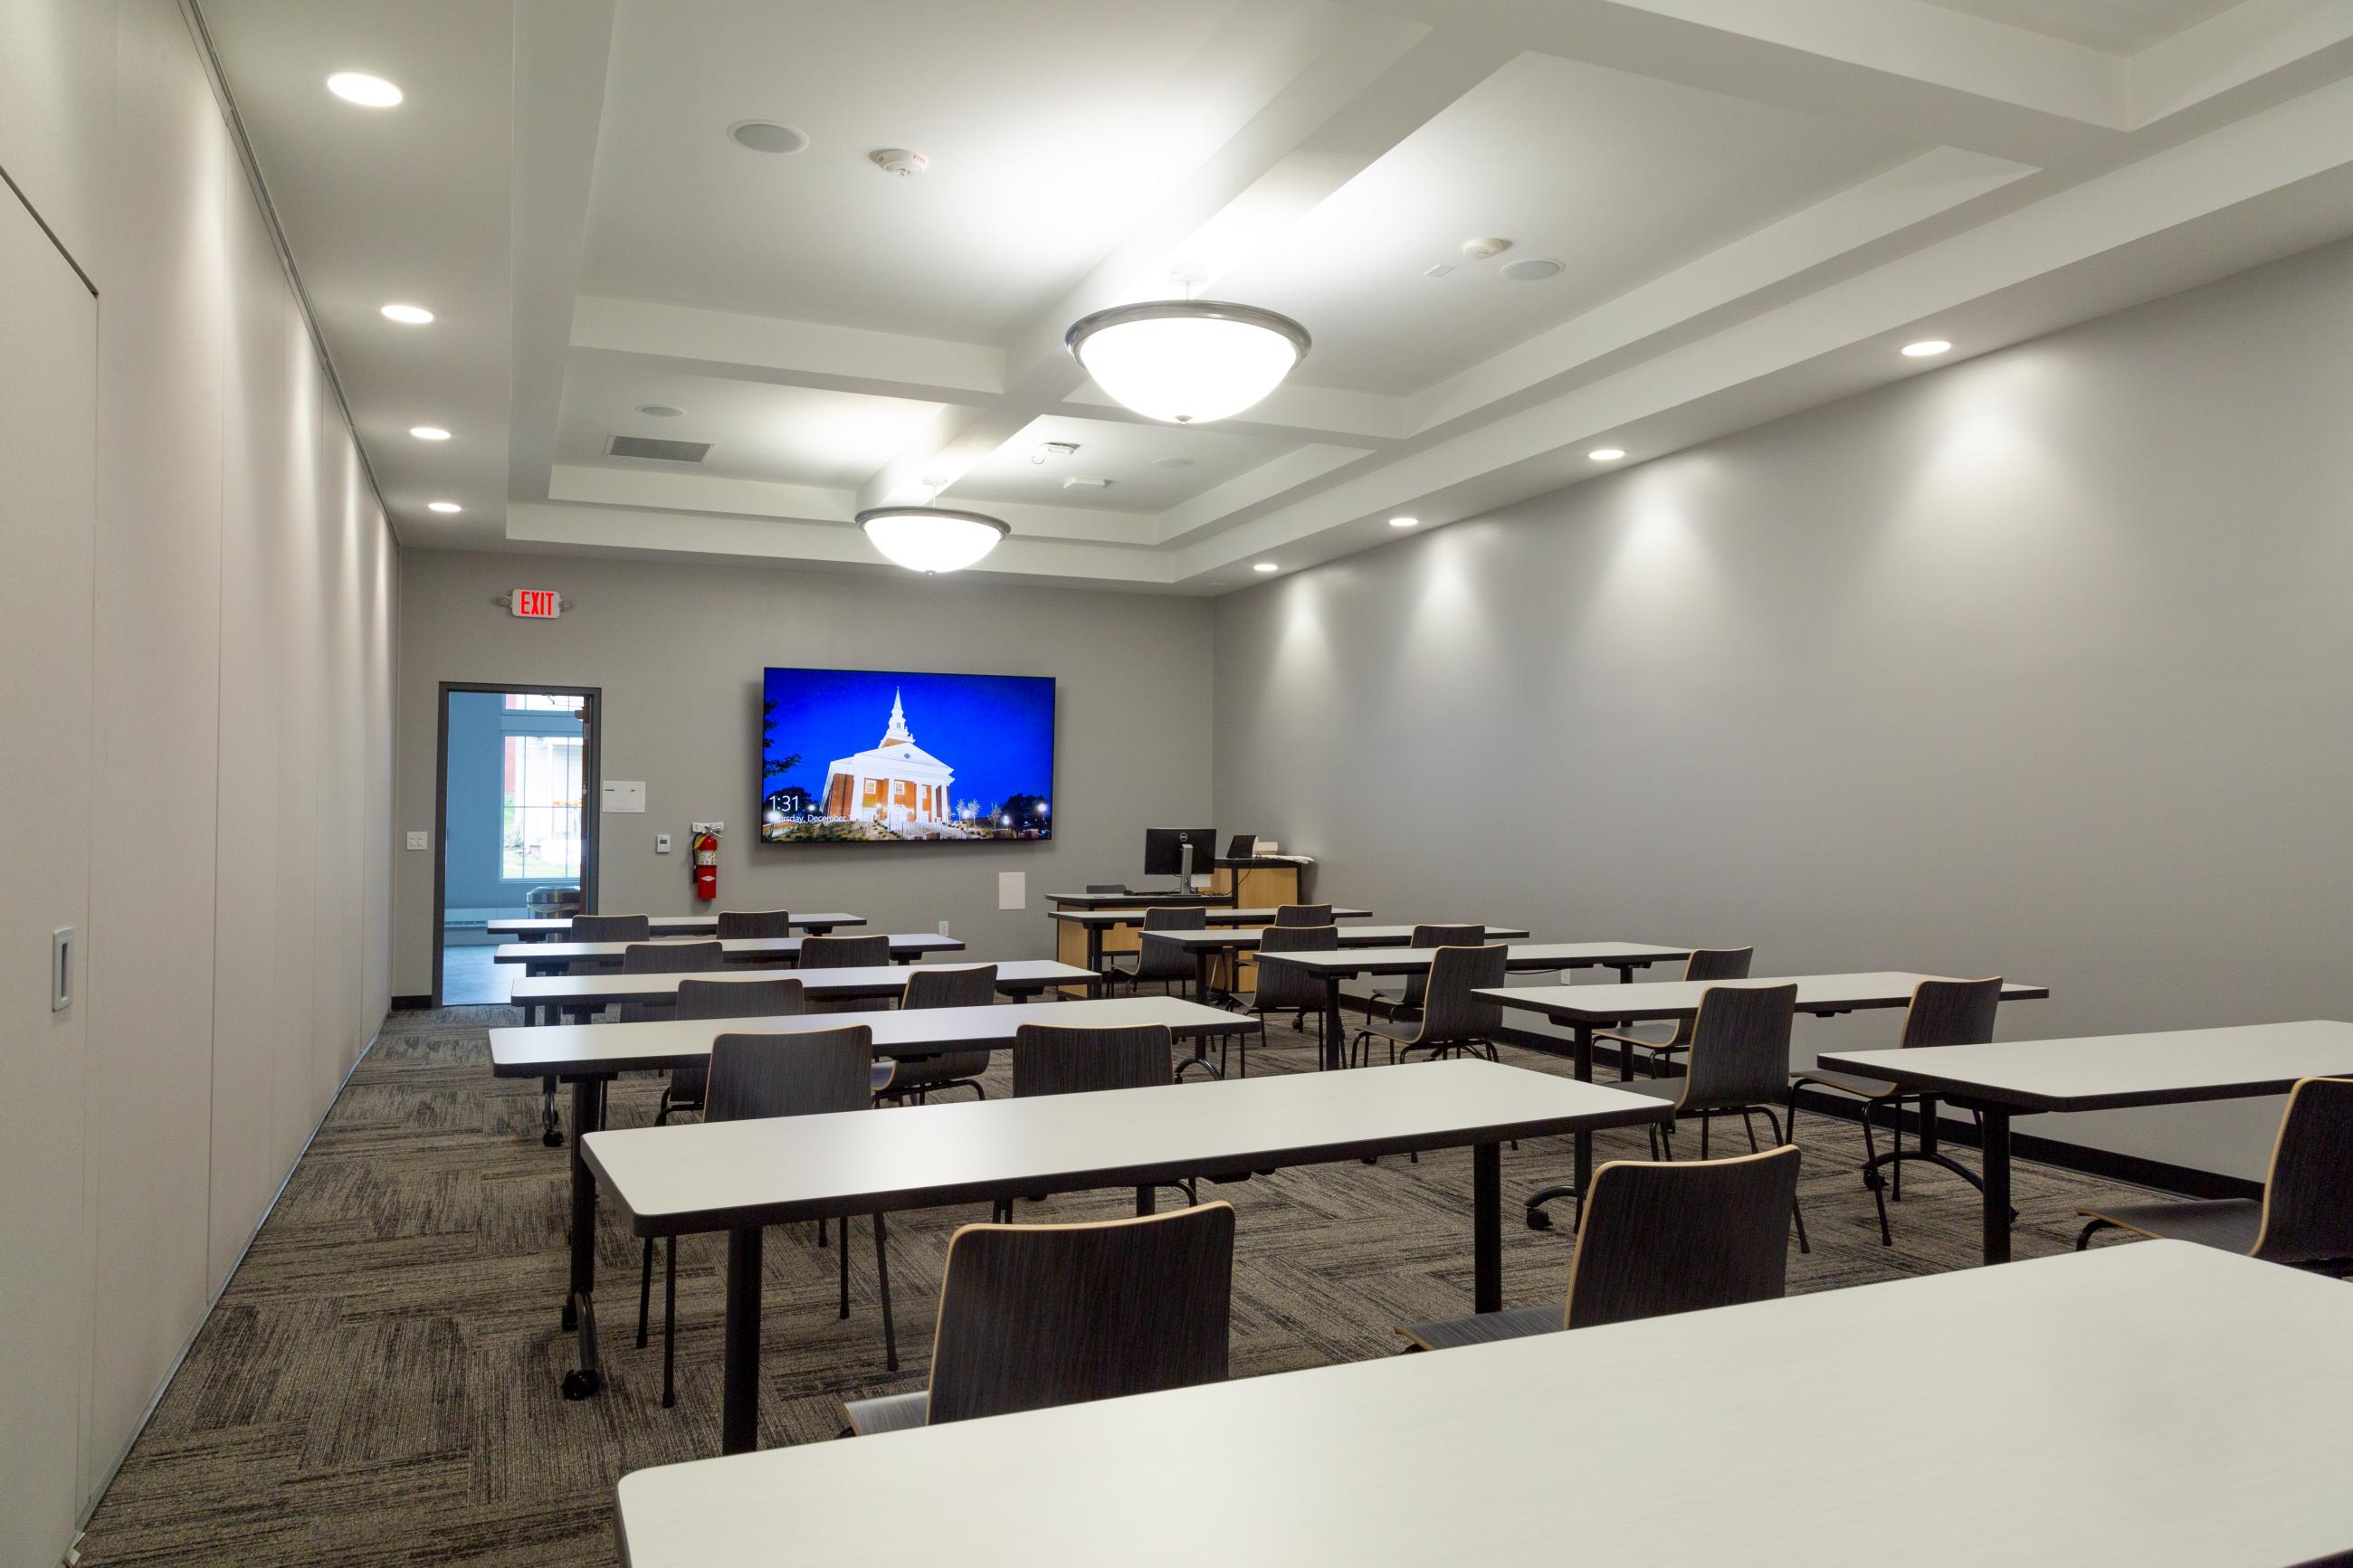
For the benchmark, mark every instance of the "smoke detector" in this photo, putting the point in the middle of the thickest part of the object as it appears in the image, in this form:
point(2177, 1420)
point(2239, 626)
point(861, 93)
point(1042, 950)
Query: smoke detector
point(899, 160)
point(1480, 250)
point(1531, 269)
point(1049, 451)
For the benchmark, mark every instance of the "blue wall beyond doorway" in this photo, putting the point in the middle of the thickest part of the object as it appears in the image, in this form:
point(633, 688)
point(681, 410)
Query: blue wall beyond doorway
point(480, 722)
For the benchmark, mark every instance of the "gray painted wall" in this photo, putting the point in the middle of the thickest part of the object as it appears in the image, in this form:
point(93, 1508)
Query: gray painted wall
point(2037, 664)
point(679, 648)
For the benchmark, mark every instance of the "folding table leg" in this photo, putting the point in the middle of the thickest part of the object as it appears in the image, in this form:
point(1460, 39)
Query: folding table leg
point(579, 1306)
point(1487, 1227)
point(1997, 1184)
point(739, 1409)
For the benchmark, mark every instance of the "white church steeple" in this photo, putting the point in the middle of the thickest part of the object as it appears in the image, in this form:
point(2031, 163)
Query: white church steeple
point(897, 733)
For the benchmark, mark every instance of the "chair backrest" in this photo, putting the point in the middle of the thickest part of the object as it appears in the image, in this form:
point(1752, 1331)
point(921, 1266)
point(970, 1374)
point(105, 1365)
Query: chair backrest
point(844, 951)
point(1710, 964)
point(1951, 1013)
point(1280, 984)
point(1106, 887)
point(1303, 914)
point(1740, 1047)
point(737, 924)
point(672, 957)
point(1416, 985)
point(1449, 1010)
point(1049, 1059)
point(966, 985)
point(1037, 1315)
point(1177, 917)
point(611, 928)
point(2309, 1193)
point(754, 1076)
point(1661, 1238)
point(771, 997)
point(1163, 961)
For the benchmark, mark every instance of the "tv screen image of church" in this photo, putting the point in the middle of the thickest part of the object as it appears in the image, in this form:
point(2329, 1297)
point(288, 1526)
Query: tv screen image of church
point(902, 756)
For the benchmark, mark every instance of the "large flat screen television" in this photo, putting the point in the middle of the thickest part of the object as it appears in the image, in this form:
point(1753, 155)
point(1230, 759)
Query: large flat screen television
point(871, 756)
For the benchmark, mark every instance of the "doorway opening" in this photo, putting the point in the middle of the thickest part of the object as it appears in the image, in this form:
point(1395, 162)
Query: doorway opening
point(516, 821)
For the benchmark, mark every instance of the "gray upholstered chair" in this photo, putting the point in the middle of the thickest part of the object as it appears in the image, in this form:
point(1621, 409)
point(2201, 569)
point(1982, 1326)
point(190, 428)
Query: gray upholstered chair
point(1404, 999)
point(666, 958)
point(1032, 1316)
point(2305, 1216)
point(1283, 987)
point(1658, 1238)
point(1303, 914)
point(961, 985)
point(775, 996)
point(1739, 1063)
point(1451, 1020)
point(1049, 1059)
point(1943, 1013)
point(1705, 963)
point(1165, 963)
point(736, 925)
point(755, 1077)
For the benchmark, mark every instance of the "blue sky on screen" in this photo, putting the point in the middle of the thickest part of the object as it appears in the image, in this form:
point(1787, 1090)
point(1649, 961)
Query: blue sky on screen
point(995, 731)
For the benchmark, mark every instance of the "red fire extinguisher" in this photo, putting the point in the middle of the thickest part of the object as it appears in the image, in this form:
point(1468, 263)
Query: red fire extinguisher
point(706, 865)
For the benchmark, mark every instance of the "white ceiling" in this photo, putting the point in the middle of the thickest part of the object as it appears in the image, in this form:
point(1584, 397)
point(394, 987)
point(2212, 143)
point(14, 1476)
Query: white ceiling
point(1755, 202)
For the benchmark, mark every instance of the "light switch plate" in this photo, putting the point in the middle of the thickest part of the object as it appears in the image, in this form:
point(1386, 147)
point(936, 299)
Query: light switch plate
point(1012, 889)
point(419, 840)
point(661, 843)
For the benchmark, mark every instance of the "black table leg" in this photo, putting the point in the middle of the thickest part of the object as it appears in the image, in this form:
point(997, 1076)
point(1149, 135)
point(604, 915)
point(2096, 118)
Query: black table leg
point(1095, 948)
point(1582, 1166)
point(1201, 962)
point(1487, 1227)
point(1335, 1032)
point(1997, 1184)
point(579, 1303)
point(739, 1408)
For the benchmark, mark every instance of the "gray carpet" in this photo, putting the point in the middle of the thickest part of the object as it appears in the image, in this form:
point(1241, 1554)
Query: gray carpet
point(378, 1384)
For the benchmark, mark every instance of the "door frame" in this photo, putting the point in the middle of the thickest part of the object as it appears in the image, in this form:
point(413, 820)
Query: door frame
point(591, 786)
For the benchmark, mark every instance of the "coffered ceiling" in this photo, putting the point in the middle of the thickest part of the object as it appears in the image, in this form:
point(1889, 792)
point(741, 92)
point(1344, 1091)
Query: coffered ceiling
point(1752, 204)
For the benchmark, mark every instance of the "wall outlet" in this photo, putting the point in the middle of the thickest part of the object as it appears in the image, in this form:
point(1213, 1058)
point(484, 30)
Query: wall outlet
point(661, 843)
point(419, 840)
point(943, 927)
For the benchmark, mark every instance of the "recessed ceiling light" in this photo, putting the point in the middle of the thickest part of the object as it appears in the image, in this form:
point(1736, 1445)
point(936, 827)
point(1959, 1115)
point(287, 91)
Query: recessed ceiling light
point(1532, 269)
point(659, 410)
point(767, 136)
point(1405, 522)
point(1266, 566)
point(428, 432)
point(1927, 348)
point(1606, 453)
point(407, 315)
point(367, 92)
point(1171, 462)
point(443, 506)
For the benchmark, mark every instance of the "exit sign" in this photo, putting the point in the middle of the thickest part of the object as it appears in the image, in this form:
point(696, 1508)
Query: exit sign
point(536, 604)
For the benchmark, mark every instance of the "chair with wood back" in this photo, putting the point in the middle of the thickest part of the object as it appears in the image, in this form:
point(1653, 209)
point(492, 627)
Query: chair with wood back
point(1039, 1315)
point(1705, 963)
point(1165, 963)
point(740, 925)
point(610, 928)
point(772, 997)
point(844, 951)
point(1302, 915)
point(1657, 1238)
point(1404, 999)
point(1283, 987)
point(755, 1077)
point(1049, 1059)
point(1452, 1021)
point(1943, 1013)
point(2305, 1215)
point(963, 986)
point(666, 958)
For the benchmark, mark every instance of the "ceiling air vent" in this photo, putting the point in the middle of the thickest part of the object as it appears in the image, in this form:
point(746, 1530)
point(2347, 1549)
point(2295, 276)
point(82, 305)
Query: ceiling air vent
point(662, 451)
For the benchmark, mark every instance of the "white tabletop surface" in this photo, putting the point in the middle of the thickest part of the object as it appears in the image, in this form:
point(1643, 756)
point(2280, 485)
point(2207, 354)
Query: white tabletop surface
point(849, 981)
point(1674, 998)
point(520, 1052)
point(2109, 1409)
point(1216, 917)
point(674, 925)
point(702, 1176)
point(2106, 1071)
point(743, 949)
point(1518, 955)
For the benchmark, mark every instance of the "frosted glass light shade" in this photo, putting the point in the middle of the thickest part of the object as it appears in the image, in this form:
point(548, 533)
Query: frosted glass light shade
point(1188, 361)
point(931, 539)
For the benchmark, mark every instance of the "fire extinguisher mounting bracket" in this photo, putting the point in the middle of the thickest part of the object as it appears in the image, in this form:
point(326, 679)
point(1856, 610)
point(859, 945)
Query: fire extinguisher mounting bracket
point(710, 827)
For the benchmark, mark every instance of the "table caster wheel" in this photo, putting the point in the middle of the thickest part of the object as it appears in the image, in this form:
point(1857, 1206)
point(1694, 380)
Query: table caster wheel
point(552, 1138)
point(1539, 1220)
point(579, 1383)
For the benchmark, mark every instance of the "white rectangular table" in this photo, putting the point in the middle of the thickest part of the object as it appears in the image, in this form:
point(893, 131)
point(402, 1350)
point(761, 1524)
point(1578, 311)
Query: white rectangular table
point(2158, 1405)
point(589, 1056)
point(739, 1176)
point(553, 928)
point(555, 957)
point(1584, 1008)
point(545, 998)
point(2100, 1072)
point(1094, 921)
point(1206, 946)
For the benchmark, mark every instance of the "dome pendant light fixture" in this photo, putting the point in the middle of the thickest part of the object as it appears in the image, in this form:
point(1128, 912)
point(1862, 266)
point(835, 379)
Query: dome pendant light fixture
point(1187, 362)
point(930, 539)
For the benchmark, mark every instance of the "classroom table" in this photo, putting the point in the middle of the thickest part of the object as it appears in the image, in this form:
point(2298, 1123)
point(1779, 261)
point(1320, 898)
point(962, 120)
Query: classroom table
point(1538, 957)
point(546, 999)
point(2160, 1404)
point(588, 1056)
point(740, 1177)
point(553, 927)
point(1094, 921)
point(1206, 945)
point(1170, 897)
point(1584, 1008)
point(2099, 1072)
point(554, 957)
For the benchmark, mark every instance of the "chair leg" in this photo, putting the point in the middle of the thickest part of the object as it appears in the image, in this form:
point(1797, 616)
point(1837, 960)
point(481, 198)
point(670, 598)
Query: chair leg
point(1895, 1139)
point(1781, 1141)
point(670, 1321)
point(1705, 1124)
point(1873, 1179)
point(1749, 1124)
point(882, 1282)
point(645, 1290)
point(2084, 1241)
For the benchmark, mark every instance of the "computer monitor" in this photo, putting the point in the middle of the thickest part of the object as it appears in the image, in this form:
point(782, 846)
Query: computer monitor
point(1242, 846)
point(1177, 851)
